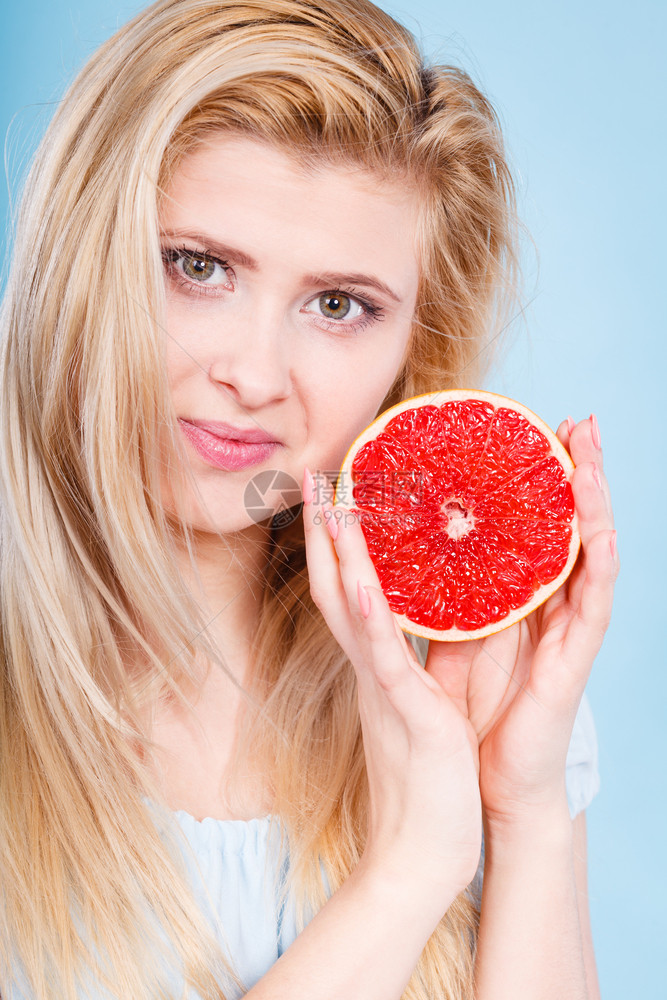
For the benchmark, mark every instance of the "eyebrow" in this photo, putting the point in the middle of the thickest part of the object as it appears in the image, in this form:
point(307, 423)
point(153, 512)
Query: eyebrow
point(331, 278)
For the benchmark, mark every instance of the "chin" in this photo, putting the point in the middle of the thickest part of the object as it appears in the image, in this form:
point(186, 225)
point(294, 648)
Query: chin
point(227, 523)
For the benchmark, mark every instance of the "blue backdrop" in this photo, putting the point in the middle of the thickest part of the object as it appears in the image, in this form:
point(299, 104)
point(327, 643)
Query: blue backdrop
point(580, 90)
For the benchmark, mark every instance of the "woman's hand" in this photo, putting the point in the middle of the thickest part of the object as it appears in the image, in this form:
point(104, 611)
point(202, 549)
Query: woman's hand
point(521, 687)
point(421, 752)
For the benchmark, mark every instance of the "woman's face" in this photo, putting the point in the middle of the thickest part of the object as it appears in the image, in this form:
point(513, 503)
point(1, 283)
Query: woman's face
point(290, 296)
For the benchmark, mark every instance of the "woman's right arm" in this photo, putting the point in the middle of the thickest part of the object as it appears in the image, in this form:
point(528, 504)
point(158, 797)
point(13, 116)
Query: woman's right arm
point(425, 823)
point(364, 943)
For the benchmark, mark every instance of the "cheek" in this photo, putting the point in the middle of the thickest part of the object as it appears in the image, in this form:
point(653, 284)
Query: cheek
point(181, 349)
point(345, 397)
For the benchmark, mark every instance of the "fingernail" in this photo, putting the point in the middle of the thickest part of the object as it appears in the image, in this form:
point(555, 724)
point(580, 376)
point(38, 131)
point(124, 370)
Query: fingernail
point(596, 476)
point(308, 485)
point(570, 425)
point(595, 432)
point(332, 523)
point(364, 600)
point(612, 544)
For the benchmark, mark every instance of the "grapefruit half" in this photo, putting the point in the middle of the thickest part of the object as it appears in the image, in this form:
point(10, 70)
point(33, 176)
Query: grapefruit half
point(465, 502)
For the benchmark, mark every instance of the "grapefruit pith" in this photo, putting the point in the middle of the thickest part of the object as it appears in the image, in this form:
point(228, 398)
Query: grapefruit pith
point(465, 502)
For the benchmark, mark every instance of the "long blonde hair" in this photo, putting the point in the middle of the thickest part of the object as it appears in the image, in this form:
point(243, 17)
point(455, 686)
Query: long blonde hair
point(89, 581)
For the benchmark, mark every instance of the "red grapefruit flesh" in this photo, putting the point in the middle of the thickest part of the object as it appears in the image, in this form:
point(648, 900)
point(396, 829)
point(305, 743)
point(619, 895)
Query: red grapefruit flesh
point(465, 502)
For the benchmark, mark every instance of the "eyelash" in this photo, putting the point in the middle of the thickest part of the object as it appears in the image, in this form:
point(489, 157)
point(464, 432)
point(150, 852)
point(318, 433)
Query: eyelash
point(171, 254)
point(373, 312)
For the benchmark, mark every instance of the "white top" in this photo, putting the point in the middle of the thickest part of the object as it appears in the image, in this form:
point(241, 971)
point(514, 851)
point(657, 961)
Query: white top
point(238, 861)
point(234, 865)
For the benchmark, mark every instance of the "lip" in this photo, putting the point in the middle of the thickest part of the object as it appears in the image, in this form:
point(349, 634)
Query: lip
point(229, 453)
point(252, 435)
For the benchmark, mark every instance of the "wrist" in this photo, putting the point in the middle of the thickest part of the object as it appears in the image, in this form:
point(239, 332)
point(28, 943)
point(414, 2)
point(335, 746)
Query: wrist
point(544, 825)
point(424, 900)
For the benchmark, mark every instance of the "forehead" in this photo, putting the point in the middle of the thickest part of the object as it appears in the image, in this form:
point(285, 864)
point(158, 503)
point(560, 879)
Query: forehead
point(250, 189)
point(219, 150)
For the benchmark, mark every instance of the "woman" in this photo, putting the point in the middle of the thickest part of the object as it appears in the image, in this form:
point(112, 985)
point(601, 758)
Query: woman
point(266, 222)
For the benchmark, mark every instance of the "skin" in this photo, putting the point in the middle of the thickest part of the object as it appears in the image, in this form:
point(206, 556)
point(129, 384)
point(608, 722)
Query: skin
point(496, 716)
point(477, 738)
point(254, 349)
point(518, 690)
point(257, 350)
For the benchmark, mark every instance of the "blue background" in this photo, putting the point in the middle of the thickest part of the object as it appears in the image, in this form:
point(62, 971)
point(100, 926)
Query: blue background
point(581, 94)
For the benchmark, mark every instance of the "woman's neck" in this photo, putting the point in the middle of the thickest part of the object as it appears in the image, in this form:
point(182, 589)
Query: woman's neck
point(193, 755)
point(194, 746)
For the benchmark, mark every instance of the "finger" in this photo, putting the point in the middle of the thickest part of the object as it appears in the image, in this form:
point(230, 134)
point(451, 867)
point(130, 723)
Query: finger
point(590, 496)
point(407, 645)
point(326, 586)
point(388, 651)
point(450, 663)
point(585, 442)
point(593, 511)
point(585, 449)
point(564, 430)
point(591, 615)
point(354, 561)
point(416, 696)
point(593, 515)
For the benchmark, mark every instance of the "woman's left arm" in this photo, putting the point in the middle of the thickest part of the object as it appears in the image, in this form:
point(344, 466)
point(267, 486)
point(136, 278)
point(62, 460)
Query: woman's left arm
point(520, 689)
point(581, 884)
point(534, 937)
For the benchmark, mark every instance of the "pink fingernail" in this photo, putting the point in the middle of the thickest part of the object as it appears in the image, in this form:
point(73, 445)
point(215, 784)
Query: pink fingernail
point(595, 431)
point(364, 600)
point(308, 485)
point(332, 523)
point(596, 476)
point(570, 425)
point(612, 544)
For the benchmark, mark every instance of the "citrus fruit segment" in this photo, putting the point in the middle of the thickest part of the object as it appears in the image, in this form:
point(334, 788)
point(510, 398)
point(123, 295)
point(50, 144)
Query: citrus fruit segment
point(465, 502)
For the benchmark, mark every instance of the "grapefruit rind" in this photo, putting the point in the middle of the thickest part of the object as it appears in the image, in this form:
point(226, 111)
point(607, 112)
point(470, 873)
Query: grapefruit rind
point(543, 593)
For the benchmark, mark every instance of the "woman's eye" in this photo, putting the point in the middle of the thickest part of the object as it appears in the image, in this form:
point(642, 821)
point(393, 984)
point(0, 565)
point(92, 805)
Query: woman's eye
point(190, 267)
point(336, 305)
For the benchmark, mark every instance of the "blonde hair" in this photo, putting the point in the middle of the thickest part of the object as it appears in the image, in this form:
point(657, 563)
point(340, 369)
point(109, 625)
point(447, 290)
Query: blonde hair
point(89, 581)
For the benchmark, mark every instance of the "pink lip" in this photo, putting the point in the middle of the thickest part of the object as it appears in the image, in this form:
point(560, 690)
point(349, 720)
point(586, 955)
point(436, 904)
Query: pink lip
point(219, 445)
point(252, 435)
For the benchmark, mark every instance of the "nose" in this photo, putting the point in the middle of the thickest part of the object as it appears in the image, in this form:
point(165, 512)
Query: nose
point(250, 359)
